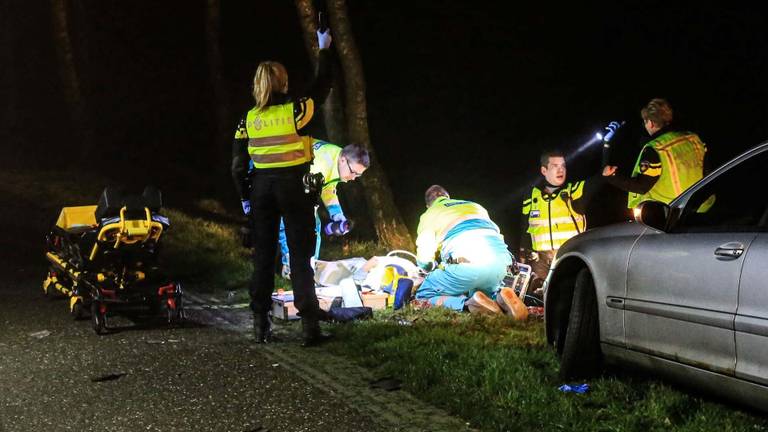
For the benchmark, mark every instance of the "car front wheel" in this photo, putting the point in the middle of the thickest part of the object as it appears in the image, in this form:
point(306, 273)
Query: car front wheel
point(581, 356)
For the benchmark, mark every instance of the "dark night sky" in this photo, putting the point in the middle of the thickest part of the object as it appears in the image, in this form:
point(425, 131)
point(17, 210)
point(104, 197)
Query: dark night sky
point(465, 96)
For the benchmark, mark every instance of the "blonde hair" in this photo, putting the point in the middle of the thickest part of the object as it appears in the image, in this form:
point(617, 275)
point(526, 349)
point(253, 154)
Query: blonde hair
point(658, 111)
point(270, 77)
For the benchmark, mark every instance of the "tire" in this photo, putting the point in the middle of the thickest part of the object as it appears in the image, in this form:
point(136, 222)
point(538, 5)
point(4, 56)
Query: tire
point(176, 316)
point(581, 356)
point(98, 319)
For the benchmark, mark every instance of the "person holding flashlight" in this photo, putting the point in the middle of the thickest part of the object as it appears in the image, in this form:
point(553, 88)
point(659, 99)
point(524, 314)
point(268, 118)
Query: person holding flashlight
point(668, 164)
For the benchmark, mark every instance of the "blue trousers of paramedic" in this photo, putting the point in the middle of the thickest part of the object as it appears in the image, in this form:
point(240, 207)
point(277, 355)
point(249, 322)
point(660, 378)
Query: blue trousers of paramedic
point(284, 253)
point(452, 284)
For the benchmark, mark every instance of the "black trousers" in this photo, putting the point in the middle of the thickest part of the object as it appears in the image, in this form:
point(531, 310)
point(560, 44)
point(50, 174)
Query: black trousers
point(540, 269)
point(276, 193)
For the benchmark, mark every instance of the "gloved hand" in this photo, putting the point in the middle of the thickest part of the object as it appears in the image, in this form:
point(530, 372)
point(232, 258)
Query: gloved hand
point(324, 39)
point(338, 226)
point(246, 206)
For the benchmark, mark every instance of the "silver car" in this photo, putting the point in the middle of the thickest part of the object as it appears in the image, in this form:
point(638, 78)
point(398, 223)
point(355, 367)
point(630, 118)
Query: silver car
point(682, 292)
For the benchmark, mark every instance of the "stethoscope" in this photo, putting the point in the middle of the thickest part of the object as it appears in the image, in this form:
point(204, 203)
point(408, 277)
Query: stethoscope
point(566, 197)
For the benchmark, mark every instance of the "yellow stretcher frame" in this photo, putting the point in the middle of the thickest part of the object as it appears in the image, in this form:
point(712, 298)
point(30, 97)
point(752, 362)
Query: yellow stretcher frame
point(128, 231)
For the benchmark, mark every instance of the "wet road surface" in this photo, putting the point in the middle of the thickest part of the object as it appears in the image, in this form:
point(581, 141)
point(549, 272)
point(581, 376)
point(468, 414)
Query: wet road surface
point(56, 374)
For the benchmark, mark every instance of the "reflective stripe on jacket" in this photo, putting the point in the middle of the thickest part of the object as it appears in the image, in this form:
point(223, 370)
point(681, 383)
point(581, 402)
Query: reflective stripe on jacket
point(551, 217)
point(273, 141)
point(440, 218)
point(682, 164)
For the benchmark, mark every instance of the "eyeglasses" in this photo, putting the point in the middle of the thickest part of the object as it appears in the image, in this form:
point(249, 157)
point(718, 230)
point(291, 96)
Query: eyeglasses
point(351, 171)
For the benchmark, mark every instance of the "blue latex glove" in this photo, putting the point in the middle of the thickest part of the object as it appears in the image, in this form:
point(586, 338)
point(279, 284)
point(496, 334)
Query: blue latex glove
point(338, 217)
point(324, 39)
point(581, 388)
point(336, 228)
point(345, 227)
point(246, 206)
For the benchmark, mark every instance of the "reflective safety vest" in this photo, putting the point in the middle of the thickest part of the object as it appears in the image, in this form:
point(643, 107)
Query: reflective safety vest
point(551, 217)
point(442, 217)
point(273, 141)
point(682, 164)
point(326, 162)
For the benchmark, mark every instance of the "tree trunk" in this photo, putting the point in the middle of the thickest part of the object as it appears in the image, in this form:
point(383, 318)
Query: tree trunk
point(333, 108)
point(68, 73)
point(225, 126)
point(386, 217)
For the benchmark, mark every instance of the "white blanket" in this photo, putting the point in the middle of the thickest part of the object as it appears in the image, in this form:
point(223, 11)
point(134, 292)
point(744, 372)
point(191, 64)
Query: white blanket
point(342, 278)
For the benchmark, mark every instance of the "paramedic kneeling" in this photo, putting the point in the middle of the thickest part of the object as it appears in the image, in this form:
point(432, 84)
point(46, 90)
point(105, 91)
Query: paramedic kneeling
point(472, 253)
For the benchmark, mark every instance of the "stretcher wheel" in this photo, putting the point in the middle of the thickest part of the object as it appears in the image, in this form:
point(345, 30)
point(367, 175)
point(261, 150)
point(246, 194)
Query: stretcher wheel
point(78, 311)
point(49, 288)
point(98, 318)
point(49, 292)
point(176, 314)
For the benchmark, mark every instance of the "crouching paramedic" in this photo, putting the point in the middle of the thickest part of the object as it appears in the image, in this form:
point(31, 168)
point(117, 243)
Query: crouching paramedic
point(473, 255)
point(336, 165)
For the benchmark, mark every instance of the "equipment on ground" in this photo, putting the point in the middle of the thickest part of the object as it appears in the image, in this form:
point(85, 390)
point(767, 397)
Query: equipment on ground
point(518, 278)
point(105, 255)
point(397, 282)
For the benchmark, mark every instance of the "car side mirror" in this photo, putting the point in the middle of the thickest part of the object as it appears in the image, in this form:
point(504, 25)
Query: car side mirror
point(652, 213)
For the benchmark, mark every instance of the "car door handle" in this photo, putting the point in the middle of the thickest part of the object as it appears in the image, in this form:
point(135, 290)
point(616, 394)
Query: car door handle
point(730, 250)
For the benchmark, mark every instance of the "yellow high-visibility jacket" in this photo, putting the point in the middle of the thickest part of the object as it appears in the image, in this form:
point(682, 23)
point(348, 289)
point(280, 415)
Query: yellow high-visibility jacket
point(326, 162)
point(682, 164)
point(551, 217)
point(273, 141)
point(439, 221)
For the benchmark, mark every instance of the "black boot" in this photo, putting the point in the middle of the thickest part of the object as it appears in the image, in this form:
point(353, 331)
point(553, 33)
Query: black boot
point(311, 333)
point(262, 327)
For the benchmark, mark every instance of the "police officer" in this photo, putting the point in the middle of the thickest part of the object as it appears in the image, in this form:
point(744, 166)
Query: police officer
point(268, 137)
point(553, 213)
point(336, 165)
point(668, 164)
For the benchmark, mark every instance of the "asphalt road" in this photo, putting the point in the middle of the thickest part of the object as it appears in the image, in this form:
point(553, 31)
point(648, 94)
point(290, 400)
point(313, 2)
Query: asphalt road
point(56, 374)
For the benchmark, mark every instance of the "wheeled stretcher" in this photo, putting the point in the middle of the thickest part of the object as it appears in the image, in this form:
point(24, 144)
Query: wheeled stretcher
point(105, 255)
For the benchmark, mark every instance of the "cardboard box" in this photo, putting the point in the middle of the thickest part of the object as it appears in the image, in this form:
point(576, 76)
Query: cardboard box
point(283, 308)
point(374, 300)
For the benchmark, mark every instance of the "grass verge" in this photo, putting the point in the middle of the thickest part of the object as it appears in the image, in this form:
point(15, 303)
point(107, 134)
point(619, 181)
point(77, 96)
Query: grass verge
point(494, 372)
point(499, 375)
